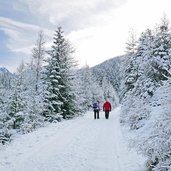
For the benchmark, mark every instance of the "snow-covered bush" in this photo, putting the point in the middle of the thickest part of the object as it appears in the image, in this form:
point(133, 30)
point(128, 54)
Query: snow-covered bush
point(154, 138)
point(5, 135)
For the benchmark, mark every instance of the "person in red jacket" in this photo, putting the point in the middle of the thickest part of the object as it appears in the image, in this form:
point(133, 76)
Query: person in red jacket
point(107, 107)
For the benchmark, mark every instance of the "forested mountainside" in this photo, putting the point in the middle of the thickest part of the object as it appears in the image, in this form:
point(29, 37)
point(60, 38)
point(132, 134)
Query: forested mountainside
point(112, 69)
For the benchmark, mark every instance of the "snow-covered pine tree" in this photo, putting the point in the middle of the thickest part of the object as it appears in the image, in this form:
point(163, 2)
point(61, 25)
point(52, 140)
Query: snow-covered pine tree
point(134, 80)
point(4, 131)
point(131, 43)
point(79, 92)
point(59, 99)
point(161, 51)
point(91, 88)
point(143, 62)
point(38, 54)
point(142, 85)
point(52, 104)
point(15, 108)
point(15, 103)
point(138, 98)
point(131, 73)
point(109, 92)
point(34, 87)
point(6, 82)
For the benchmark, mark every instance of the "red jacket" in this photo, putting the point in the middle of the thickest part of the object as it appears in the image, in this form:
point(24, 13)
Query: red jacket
point(107, 106)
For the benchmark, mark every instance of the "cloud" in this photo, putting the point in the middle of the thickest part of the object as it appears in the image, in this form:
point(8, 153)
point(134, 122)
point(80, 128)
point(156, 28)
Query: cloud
point(74, 14)
point(96, 44)
point(21, 36)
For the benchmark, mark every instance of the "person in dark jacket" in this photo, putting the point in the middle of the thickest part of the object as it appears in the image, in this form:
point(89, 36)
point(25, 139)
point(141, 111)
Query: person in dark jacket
point(107, 107)
point(96, 107)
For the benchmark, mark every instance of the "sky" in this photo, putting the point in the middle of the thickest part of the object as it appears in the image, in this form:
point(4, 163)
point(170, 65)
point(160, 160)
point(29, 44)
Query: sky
point(97, 29)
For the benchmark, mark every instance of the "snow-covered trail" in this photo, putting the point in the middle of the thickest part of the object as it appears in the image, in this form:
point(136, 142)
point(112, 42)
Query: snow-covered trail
point(81, 144)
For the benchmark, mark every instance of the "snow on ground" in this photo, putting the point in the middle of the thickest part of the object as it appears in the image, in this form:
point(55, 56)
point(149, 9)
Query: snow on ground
point(81, 144)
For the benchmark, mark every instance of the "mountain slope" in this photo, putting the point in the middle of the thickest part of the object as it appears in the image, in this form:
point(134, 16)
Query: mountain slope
point(3, 70)
point(113, 69)
point(6, 78)
point(81, 144)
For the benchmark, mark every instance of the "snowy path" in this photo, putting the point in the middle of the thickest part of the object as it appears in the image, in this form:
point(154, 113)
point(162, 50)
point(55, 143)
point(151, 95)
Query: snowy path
point(82, 144)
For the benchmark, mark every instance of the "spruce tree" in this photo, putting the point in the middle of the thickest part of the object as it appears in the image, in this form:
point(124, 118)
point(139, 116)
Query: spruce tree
point(131, 47)
point(16, 106)
point(161, 53)
point(143, 63)
point(59, 99)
